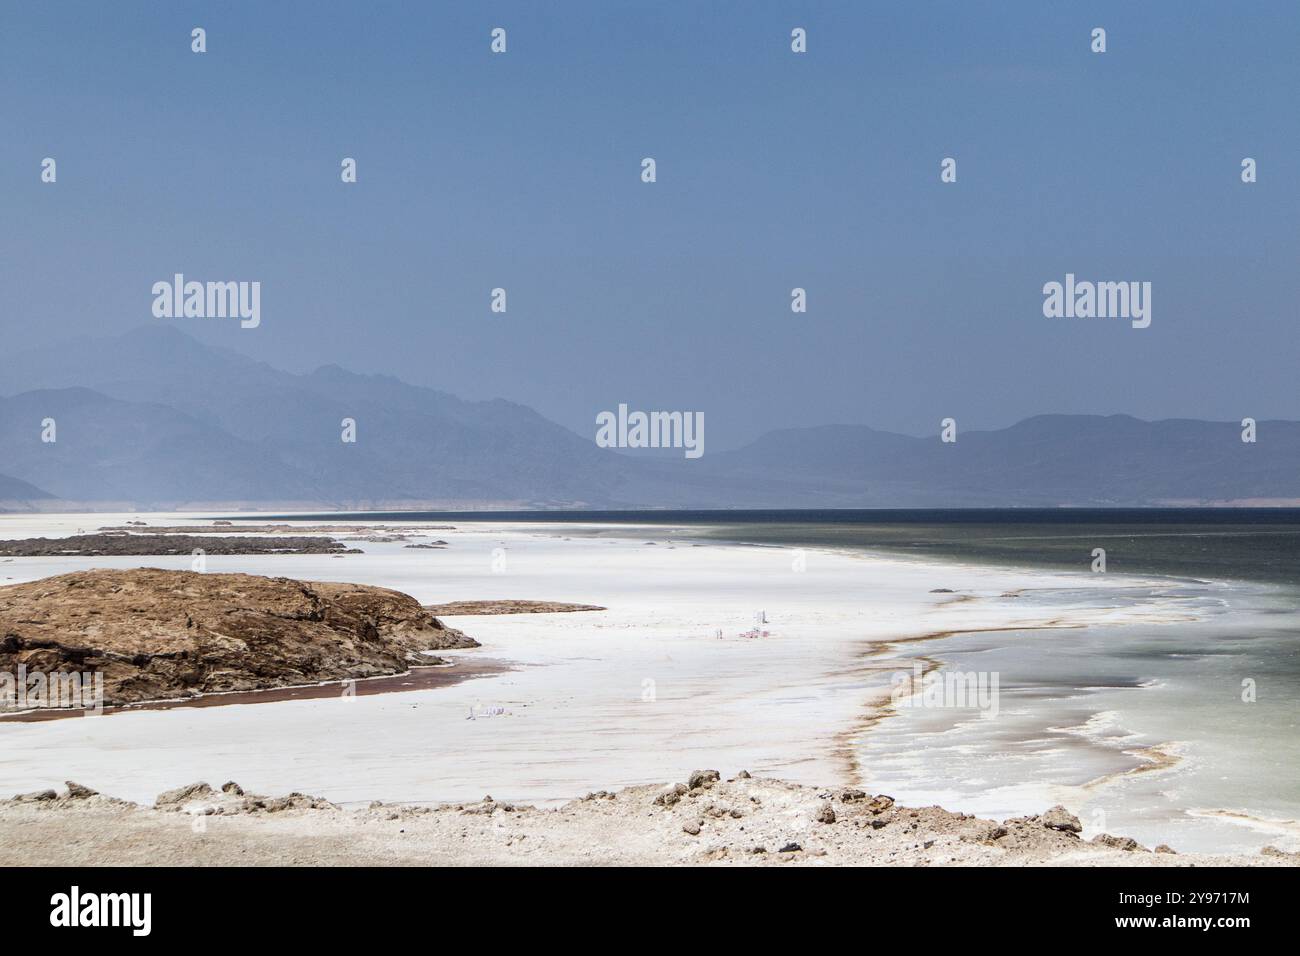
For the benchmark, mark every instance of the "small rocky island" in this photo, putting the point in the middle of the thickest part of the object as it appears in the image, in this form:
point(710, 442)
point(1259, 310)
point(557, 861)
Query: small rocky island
point(466, 608)
point(168, 634)
point(121, 543)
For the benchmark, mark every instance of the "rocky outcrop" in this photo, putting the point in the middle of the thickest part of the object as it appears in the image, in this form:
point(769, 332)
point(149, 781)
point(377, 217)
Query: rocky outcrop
point(1059, 818)
point(166, 634)
point(199, 799)
point(700, 779)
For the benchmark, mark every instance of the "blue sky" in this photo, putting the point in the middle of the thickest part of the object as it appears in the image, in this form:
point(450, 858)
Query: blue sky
point(775, 170)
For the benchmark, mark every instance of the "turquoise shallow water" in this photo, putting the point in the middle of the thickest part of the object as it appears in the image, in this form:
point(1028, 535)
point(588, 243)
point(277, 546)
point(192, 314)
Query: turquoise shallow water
point(1087, 716)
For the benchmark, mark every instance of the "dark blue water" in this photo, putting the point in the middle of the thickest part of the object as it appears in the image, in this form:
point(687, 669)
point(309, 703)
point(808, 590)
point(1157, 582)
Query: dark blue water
point(1254, 544)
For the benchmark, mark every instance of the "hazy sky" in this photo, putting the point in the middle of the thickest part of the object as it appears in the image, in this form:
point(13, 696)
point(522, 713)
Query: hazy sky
point(775, 170)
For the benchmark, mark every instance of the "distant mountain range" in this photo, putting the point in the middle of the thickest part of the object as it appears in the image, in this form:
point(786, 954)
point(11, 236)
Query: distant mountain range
point(154, 419)
point(20, 494)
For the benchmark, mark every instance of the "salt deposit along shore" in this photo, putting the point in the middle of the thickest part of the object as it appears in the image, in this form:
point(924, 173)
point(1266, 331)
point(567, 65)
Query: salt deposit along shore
point(658, 684)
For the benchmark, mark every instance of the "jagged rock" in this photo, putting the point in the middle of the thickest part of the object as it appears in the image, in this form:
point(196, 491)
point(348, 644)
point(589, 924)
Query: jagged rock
point(175, 799)
point(790, 848)
point(702, 778)
point(826, 814)
point(852, 796)
point(880, 803)
point(36, 796)
point(232, 788)
point(1274, 851)
point(77, 792)
point(165, 634)
point(296, 801)
point(671, 796)
point(1117, 842)
point(1059, 818)
point(743, 775)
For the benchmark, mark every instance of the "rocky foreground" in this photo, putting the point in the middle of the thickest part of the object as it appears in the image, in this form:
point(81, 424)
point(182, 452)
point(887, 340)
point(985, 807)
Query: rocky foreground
point(167, 634)
point(706, 820)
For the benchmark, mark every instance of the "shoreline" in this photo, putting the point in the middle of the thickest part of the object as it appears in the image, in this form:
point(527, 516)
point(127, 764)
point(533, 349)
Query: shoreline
point(796, 705)
point(743, 820)
point(417, 678)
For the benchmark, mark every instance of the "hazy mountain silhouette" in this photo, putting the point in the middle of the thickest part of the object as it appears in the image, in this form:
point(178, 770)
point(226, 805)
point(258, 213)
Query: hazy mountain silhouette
point(19, 494)
point(1047, 460)
point(114, 451)
point(155, 418)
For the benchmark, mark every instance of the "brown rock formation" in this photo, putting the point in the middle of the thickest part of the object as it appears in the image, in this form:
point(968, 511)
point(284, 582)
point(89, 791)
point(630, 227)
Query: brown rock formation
point(162, 634)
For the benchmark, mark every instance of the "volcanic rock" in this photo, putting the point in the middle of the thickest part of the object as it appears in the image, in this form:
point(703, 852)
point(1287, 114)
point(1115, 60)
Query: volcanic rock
point(166, 634)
